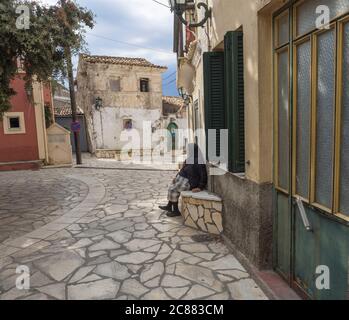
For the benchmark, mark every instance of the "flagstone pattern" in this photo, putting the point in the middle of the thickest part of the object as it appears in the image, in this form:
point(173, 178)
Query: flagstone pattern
point(25, 206)
point(202, 211)
point(117, 244)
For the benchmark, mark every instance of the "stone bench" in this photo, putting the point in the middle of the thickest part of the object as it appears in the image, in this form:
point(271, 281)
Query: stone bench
point(203, 211)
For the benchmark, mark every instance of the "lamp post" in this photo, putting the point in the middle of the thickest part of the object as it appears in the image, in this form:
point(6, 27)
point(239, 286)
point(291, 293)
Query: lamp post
point(180, 6)
point(69, 65)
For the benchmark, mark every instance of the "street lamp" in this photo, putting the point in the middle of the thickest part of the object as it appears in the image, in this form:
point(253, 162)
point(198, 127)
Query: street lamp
point(180, 6)
point(186, 97)
point(98, 103)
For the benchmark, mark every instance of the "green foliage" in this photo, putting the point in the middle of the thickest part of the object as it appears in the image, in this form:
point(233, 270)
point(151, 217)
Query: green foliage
point(41, 47)
point(48, 116)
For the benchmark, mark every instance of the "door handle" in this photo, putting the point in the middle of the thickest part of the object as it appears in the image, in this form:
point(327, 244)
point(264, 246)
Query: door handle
point(303, 214)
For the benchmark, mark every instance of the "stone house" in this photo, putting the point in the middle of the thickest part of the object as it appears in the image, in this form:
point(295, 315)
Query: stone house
point(264, 70)
point(118, 94)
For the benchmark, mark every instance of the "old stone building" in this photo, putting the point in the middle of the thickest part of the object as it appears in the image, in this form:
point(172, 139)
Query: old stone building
point(117, 95)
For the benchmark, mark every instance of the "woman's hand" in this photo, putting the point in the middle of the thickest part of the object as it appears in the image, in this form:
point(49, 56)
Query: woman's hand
point(196, 190)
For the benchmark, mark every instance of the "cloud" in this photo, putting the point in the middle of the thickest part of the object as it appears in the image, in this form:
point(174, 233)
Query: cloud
point(142, 23)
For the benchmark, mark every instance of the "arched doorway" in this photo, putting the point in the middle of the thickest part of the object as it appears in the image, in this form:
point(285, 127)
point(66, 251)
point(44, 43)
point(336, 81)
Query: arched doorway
point(173, 129)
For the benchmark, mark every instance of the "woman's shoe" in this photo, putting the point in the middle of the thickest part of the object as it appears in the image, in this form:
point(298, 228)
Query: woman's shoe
point(168, 207)
point(175, 212)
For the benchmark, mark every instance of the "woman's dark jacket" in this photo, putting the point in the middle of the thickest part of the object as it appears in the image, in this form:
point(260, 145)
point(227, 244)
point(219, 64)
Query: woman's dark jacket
point(196, 174)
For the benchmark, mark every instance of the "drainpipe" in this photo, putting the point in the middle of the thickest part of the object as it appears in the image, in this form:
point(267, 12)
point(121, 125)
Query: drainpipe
point(102, 131)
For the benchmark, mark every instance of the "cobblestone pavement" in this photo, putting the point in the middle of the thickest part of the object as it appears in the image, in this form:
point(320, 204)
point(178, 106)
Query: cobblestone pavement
point(108, 240)
point(25, 206)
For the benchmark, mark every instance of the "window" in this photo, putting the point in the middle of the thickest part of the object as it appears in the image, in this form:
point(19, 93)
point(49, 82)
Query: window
point(214, 96)
point(282, 116)
point(115, 85)
point(323, 125)
point(317, 76)
point(235, 99)
point(342, 173)
point(307, 14)
point(224, 97)
point(282, 33)
point(144, 85)
point(128, 125)
point(14, 123)
point(196, 115)
point(302, 110)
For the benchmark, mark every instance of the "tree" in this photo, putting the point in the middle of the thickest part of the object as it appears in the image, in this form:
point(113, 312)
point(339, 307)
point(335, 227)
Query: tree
point(42, 46)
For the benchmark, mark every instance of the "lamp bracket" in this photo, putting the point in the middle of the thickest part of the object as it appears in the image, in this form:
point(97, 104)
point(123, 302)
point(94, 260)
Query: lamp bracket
point(208, 14)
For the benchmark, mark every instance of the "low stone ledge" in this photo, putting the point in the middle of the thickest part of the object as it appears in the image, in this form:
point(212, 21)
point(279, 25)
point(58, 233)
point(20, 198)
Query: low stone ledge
point(116, 154)
point(203, 211)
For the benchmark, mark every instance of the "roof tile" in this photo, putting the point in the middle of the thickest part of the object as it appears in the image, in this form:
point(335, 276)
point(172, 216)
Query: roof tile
point(65, 111)
point(140, 62)
point(177, 101)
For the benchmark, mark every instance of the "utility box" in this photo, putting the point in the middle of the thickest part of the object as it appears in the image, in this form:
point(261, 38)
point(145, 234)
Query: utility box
point(59, 146)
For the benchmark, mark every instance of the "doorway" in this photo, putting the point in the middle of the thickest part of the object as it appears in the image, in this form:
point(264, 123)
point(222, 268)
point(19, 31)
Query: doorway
point(173, 129)
point(311, 134)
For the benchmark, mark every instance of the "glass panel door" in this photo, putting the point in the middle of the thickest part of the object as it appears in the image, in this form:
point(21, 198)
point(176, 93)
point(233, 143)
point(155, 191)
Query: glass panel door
point(302, 109)
point(344, 147)
point(283, 119)
point(325, 43)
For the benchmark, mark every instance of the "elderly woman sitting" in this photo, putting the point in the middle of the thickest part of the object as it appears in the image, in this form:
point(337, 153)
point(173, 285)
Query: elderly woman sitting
point(192, 176)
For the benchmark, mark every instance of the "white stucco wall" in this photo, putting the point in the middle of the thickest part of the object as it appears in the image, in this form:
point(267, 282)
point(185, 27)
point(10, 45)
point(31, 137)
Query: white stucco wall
point(254, 17)
point(108, 124)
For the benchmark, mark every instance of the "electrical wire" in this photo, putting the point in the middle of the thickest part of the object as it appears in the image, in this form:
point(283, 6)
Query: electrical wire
point(167, 84)
point(162, 4)
point(168, 77)
point(129, 44)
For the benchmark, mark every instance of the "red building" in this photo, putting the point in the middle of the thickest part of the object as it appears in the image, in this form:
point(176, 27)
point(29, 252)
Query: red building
point(23, 136)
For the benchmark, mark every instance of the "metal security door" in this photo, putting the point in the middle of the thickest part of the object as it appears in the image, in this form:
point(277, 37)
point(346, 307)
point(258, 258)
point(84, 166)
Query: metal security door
point(311, 230)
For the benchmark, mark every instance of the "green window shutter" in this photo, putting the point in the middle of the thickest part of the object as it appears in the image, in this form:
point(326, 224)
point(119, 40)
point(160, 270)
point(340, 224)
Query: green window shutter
point(235, 104)
point(214, 95)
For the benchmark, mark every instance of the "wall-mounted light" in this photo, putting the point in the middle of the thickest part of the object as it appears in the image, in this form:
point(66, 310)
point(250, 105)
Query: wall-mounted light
point(180, 6)
point(98, 103)
point(186, 97)
point(181, 91)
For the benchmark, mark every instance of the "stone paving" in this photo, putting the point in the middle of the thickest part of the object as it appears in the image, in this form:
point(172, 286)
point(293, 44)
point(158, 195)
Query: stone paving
point(24, 206)
point(110, 242)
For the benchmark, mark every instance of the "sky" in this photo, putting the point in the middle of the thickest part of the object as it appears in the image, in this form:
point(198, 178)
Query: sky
point(144, 23)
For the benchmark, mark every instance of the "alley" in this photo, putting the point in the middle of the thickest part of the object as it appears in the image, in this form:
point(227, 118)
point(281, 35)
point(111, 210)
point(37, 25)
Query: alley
point(98, 234)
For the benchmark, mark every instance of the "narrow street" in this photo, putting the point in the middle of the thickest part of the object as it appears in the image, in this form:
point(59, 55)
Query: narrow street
point(98, 234)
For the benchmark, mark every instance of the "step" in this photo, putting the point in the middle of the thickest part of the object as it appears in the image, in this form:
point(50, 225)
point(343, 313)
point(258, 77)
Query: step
point(20, 165)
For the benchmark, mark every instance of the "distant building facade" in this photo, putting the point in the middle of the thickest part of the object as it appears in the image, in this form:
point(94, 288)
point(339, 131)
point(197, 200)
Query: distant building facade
point(63, 115)
point(117, 95)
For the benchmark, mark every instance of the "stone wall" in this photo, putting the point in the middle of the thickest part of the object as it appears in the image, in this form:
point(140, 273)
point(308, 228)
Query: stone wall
point(202, 211)
point(247, 216)
point(116, 154)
